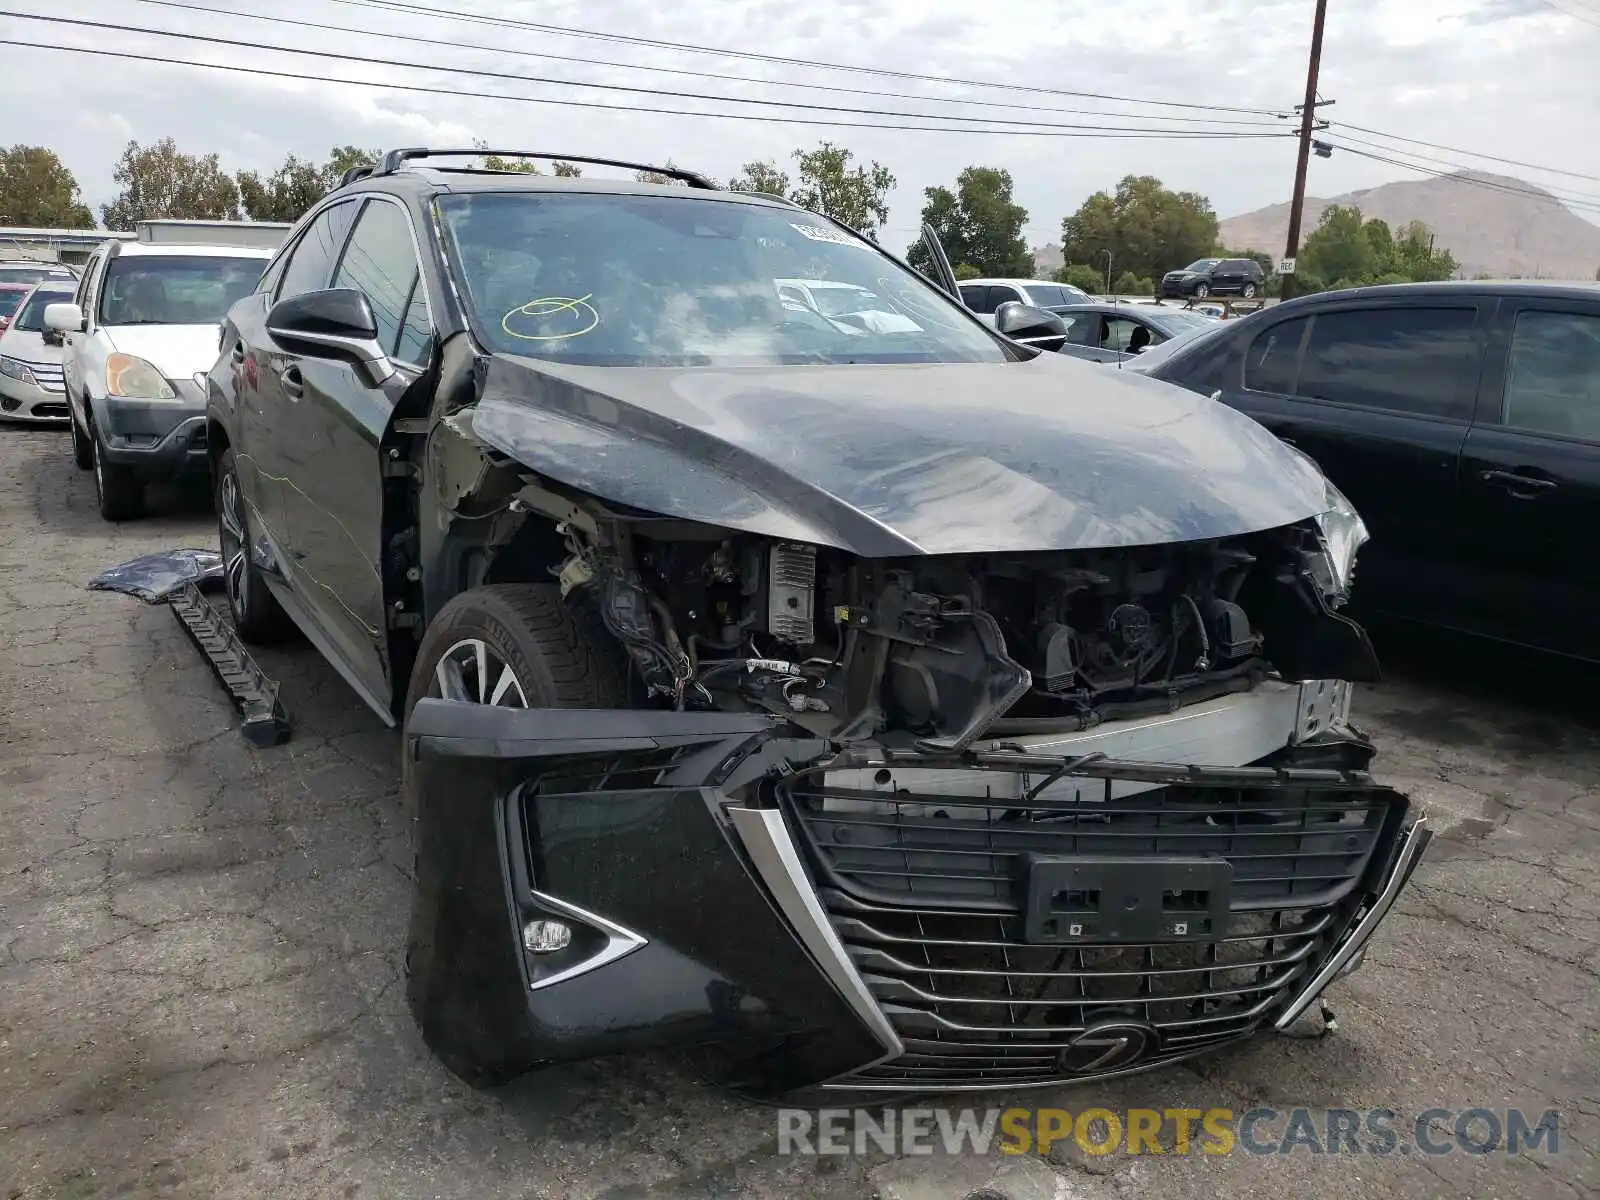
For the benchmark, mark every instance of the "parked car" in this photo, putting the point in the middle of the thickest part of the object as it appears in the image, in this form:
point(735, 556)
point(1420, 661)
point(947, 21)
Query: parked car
point(1215, 277)
point(984, 296)
point(24, 270)
point(11, 297)
point(31, 386)
point(847, 305)
point(140, 326)
point(1118, 332)
point(697, 610)
point(1463, 420)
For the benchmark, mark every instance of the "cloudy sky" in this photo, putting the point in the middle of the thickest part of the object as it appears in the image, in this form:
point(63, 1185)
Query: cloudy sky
point(1509, 78)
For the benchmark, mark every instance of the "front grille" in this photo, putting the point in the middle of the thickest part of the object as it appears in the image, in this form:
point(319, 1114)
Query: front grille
point(49, 375)
point(928, 895)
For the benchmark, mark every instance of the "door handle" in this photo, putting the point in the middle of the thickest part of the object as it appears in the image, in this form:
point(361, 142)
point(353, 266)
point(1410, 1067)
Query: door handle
point(294, 385)
point(1524, 487)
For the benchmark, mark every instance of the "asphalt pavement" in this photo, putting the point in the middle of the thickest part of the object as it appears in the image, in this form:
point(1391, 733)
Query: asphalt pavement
point(200, 988)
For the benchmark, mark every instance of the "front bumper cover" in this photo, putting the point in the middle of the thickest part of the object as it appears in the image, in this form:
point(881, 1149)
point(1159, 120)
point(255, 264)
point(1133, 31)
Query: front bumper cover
point(726, 887)
point(160, 439)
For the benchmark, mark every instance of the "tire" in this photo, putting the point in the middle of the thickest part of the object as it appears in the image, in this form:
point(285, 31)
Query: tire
point(82, 451)
point(119, 490)
point(558, 658)
point(256, 613)
point(559, 661)
point(1201, 291)
point(1248, 291)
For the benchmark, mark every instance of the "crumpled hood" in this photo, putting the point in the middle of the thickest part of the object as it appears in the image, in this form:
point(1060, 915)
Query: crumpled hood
point(1047, 454)
point(177, 351)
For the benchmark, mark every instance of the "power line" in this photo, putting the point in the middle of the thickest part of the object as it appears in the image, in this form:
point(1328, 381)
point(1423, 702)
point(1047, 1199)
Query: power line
point(1577, 14)
point(717, 75)
point(1510, 162)
point(1579, 197)
point(1468, 181)
point(241, 44)
point(567, 102)
point(694, 48)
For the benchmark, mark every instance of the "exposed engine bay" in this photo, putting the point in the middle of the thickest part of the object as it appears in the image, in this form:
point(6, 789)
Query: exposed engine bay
point(936, 651)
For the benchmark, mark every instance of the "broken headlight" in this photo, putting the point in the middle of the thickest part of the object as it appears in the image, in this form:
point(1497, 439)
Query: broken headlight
point(1343, 535)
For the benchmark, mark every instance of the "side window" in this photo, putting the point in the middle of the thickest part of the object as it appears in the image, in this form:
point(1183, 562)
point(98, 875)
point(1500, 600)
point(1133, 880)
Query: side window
point(1121, 333)
point(81, 297)
point(1083, 329)
point(1553, 378)
point(274, 272)
point(972, 297)
point(416, 331)
point(311, 260)
point(1002, 295)
point(1269, 363)
point(1410, 360)
point(381, 262)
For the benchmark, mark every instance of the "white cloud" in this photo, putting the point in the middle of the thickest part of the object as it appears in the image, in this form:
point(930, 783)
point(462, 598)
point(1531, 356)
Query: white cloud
point(1448, 71)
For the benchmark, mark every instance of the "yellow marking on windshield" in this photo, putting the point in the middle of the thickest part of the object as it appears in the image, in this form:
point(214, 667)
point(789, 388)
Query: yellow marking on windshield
point(547, 308)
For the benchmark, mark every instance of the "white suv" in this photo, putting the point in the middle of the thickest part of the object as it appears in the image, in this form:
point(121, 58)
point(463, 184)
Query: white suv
point(143, 323)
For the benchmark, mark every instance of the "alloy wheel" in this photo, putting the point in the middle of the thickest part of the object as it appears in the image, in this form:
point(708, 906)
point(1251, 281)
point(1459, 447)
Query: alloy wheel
point(230, 528)
point(471, 671)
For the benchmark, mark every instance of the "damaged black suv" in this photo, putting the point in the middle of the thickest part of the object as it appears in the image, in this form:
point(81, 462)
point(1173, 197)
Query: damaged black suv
point(871, 700)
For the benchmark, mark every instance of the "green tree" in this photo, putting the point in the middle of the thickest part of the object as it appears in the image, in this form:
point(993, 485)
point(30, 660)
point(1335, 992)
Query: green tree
point(764, 176)
point(1080, 275)
point(1128, 284)
point(342, 158)
point(979, 223)
point(966, 271)
point(285, 194)
point(36, 189)
point(1340, 247)
point(160, 181)
point(1416, 258)
point(1147, 228)
point(856, 196)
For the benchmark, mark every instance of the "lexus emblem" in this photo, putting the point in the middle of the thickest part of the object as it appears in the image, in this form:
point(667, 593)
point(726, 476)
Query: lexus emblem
point(1109, 1046)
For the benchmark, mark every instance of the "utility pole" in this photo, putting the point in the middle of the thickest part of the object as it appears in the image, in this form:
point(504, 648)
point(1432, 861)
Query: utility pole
point(1308, 119)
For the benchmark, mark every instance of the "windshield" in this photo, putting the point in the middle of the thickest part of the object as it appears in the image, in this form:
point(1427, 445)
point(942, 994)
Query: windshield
point(30, 274)
point(1177, 321)
point(1202, 264)
point(31, 318)
point(1204, 328)
point(176, 289)
point(609, 280)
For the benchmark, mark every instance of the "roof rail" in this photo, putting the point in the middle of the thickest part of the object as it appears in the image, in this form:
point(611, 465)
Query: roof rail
point(784, 200)
point(360, 171)
point(395, 159)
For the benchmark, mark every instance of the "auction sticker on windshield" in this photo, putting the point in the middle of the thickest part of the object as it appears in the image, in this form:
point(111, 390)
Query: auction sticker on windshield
point(818, 234)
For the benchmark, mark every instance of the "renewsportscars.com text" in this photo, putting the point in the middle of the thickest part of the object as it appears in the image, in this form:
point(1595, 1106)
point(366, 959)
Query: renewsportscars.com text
point(1378, 1131)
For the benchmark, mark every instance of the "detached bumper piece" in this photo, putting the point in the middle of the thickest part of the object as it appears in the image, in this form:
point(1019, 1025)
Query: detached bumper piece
point(1050, 944)
point(678, 879)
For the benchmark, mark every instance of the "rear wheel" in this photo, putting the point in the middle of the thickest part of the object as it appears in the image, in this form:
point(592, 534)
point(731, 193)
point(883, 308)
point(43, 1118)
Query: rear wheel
point(256, 613)
point(1249, 291)
point(119, 490)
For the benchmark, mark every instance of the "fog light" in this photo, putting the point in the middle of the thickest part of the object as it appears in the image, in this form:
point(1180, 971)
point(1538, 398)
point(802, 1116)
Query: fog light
point(545, 937)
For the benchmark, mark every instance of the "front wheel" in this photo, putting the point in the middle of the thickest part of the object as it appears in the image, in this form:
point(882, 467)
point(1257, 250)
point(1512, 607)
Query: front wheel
point(118, 490)
point(1201, 291)
point(82, 451)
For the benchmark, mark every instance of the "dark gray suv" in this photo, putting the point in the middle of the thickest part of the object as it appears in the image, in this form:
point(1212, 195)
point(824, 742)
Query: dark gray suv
point(1215, 277)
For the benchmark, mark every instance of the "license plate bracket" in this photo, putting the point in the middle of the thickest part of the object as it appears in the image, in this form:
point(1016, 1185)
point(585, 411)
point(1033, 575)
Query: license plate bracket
point(1132, 900)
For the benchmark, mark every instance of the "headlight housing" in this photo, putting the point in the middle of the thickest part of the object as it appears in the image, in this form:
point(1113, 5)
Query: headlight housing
point(1340, 529)
point(135, 379)
point(1343, 535)
point(14, 369)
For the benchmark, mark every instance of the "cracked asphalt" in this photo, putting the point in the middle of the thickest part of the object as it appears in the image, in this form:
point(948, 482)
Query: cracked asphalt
point(200, 990)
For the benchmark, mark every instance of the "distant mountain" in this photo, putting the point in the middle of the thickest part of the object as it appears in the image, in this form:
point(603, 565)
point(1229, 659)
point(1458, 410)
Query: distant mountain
point(1047, 260)
point(1512, 229)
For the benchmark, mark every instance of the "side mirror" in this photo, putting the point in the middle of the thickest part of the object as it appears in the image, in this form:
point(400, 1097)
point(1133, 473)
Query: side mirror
point(336, 324)
point(65, 317)
point(1030, 326)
